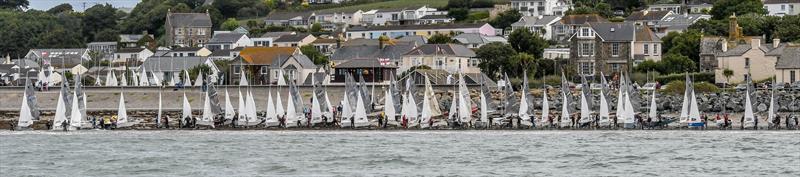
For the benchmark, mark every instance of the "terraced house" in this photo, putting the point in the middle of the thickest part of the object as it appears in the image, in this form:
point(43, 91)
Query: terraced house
point(187, 29)
point(612, 47)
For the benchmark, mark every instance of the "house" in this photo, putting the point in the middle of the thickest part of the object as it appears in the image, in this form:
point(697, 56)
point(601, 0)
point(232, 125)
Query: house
point(325, 1)
point(700, 7)
point(352, 17)
point(413, 15)
point(187, 29)
point(241, 29)
point(740, 54)
point(453, 58)
point(104, 50)
point(293, 19)
point(541, 7)
point(373, 70)
point(225, 54)
point(294, 40)
point(166, 68)
point(542, 25)
point(568, 25)
point(372, 49)
point(782, 7)
point(374, 32)
point(475, 40)
point(435, 19)
point(612, 47)
point(263, 64)
point(325, 46)
point(267, 39)
point(677, 23)
point(556, 53)
point(674, 8)
point(498, 8)
point(61, 59)
point(398, 16)
point(188, 52)
point(125, 55)
point(787, 68)
point(649, 18)
point(137, 40)
point(228, 40)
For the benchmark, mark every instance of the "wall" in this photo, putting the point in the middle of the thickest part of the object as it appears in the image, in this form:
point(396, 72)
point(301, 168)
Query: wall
point(761, 67)
point(784, 75)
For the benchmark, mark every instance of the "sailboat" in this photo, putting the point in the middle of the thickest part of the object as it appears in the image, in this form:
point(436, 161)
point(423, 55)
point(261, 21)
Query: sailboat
point(620, 113)
point(749, 117)
point(291, 114)
point(771, 110)
point(155, 79)
point(316, 110)
point(694, 112)
point(272, 116)
point(25, 112)
point(630, 117)
point(124, 79)
point(187, 110)
point(61, 107)
point(425, 118)
point(75, 118)
point(143, 81)
point(523, 102)
point(388, 108)
point(279, 106)
point(242, 116)
point(653, 108)
point(684, 117)
point(208, 117)
point(347, 113)
point(360, 118)
point(134, 78)
point(229, 113)
point(329, 113)
point(122, 113)
point(464, 102)
point(586, 112)
point(545, 107)
point(605, 118)
point(566, 120)
point(252, 117)
point(160, 107)
point(412, 115)
point(199, 81)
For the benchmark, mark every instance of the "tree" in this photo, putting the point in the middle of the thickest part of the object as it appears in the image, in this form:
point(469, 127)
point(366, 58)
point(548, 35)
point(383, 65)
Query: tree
point(494, 58)
point(107, 35)
point(787, 28)
point(522, 62)
point(727, 73)
point(230, 24)
point(440, 39)
point(14, 4)
point(459, 14)
point(60, 8)
point(526, 41)
point(312, 53)
point(723, 9)
point(711, 27)
point(454, 4)
point(316, 27)
point(505, 19)
point(99, 18)
point(686, 44)
point(676, 63)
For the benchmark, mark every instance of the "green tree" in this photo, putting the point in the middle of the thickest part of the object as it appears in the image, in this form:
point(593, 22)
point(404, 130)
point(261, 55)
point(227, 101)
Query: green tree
point(60, 8)
point(316, 27)
point(676, 63)
point(723, 9)
point(312, 53)
point(505, 19)
point(686, 44)
point(494, 58)
point(108, 35)
point(99, 18)
point(454, 4)
point(711, 27)
point(520, 63)
point(787, 28)
point(526, 41)
point(230, 24)
point(14, 4)
point(459, 14)
point(440, 39)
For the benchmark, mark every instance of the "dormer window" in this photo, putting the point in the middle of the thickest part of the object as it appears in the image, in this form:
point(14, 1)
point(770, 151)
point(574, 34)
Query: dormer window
point(585, 32)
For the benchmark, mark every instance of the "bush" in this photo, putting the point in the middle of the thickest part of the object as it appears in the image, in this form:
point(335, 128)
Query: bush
point(697, 77)
point(678, 87)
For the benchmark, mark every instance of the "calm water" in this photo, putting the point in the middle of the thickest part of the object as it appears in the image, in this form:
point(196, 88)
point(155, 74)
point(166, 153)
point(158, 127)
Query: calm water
point(379, 153)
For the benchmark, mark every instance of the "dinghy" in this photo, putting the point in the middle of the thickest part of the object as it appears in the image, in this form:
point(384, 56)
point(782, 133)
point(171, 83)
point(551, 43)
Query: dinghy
point(388, 108)
point(566, 120)
point(292, 119)
point(187, 110)
point(75, 118)
point(749, 117)
point(360, 114)
point(464, 102)
point(158, 115)
point(694, 111)
point(143, 81)
point(122, 113)
point(545, 117)
point(605, 118)
point(347, 113)
point(425, 118)
point(208, 116)
point(252, 116)
point(586, 111)
point(271, 115)
point(25, 112)
point(242, 116)
point(229, 113)
point(771, 110)
point(61, 107)
point(523, 102)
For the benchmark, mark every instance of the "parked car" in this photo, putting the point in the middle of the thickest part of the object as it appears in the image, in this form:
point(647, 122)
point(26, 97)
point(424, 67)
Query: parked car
point(779, 86)
point(741, 87)
point(649, 86)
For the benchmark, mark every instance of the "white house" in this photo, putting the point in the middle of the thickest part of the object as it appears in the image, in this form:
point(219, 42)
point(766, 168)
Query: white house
point(132, 54)
point(188, 52)
point(346, 17)
point(782, 7)
point(374, 32)
point(62, 59)
point(449, 57)
point(295, 40)
point(541, 7)
point(475, 40)
point(228, 40)
point(542, 25)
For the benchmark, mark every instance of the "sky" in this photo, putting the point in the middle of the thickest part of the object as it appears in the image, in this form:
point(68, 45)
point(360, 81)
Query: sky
point(78, 5)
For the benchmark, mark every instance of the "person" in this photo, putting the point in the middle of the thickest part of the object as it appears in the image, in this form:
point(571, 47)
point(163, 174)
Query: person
point(166, 121)
point(727, 121)
point(533, 121)
point(776, 123)
point(64, 125)
point(741, 122)
point(114, 122)
point(755, 122)
point(106, 122)
point(49, 124)
point(405, 122)
point(380, 120)
point(353, 121)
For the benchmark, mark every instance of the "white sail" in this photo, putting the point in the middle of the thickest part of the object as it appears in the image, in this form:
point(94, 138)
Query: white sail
point(464, 111)
point(242, 120)
point(75, 117)
point(749, 117)
point(388, 107)
point(272, 117)
point(187, 109)
point(523, 104)
point(208, 116)
point(413, 114)
point(586, 115)
point(565, 117)
point(279, 105)
point(604, 115)
point(694, 112)
point(653, 107)
point(124, 79)
point(25, 117)
point(426, 110)
point(281, 81)
point(453, 108)
point(143, 81)
point(684, 117)
point(108, 78)
point(361, 113)
point(347, 113)
point(630, 116)
point(61, 111)
point(545, 107)
point(229, 113)
point(155, 79)
point(251, 110)
point(172, 81)
point(122, 112)
point(484, 109)
point(199, 81)
point(186, 80)
point(435, 111)
point(329, 107)
point(158, 116)
point(316, 110)
point(771, 113)
point(112, 79)
point(620, 100)
point(291, 113)
point(134, 78)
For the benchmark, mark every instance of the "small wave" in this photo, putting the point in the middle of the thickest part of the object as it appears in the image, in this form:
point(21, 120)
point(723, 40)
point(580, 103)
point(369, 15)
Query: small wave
point(570, 155)
point(398, 161)
point(513, 158)
point(599, 165)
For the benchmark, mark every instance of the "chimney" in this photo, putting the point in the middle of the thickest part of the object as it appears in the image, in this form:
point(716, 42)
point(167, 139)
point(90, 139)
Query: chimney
point(755, 43)
point(724, 46)
point(776, 42)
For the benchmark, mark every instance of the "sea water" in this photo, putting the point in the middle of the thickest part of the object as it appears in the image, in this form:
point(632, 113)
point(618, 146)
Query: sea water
point(400, 153)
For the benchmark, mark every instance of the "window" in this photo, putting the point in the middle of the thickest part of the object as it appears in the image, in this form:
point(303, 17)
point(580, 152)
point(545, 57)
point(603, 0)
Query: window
point(615, 67)
point(179, 31)
point(792, 76)
point(655, 49)
point(586, 49)
point(440, 62)
point(585, 32)
point(236, 69)
point(587, 68)
point(783, 7)
point(473, 62)
point(395, 16)
point(746, 62)
point(615, 49)
point(380, 15)
point(190, 54)
point(264, 70)
point(646, 49)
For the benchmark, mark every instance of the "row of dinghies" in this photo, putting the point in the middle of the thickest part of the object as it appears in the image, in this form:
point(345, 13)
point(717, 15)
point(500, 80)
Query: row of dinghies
point(400, 108)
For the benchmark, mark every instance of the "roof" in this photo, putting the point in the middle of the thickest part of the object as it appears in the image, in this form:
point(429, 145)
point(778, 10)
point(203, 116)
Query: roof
point(130, 50)
point(59, 53)
point(435, 17)
point(681, 21)
point(186, 49)
point(276, 34)
point(614, 31)
point(789, 59)
point(442, 49)
point(391, 51)
point(303, 60)
point(226, 37)
point(419, 40)
point(780, 1)
point(582, 19)
point(265, 55)
point(647, 15)
point(132, 37)
point(172, 63)
point(102, 43)
point(643, 33)
point(324, 41)
point(25, 62)
point(477, 38)
point(284, 15)
point(774, 51)
point(710, 45)
point(418, 27)
point(189, 19)
point(292, 38)
point(535, 20)
point(364, 63)
point(739, 50)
